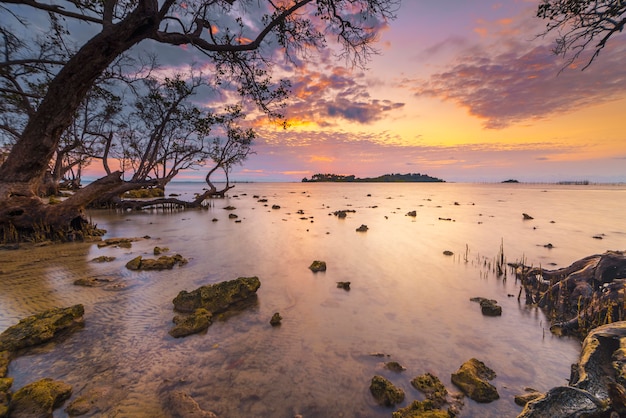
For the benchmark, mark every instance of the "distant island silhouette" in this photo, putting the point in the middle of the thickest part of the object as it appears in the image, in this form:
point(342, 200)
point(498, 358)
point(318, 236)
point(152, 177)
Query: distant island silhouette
point(385, 178)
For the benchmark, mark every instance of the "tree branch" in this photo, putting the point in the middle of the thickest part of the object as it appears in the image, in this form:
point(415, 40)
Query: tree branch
point(55, 9)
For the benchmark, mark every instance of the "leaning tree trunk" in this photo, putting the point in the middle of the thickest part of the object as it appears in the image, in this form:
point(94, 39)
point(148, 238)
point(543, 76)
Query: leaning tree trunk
point(23, 171)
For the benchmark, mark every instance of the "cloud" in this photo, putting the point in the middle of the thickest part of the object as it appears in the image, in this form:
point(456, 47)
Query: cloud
point(522, 81)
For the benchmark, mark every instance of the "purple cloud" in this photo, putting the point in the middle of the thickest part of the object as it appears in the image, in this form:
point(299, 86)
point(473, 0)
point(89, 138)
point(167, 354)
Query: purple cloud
point(522, 85)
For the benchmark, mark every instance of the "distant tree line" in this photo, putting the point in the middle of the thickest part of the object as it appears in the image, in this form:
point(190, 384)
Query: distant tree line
point(385, 178)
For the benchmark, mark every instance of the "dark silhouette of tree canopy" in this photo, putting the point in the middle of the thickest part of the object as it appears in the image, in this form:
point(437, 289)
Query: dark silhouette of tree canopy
point(240, 38)
point(582, 24)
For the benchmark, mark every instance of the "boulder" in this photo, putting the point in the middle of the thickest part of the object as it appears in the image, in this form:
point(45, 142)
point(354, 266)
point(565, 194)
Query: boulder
point(40, 328)
point(39, 399)
point(529, 396)
point(317, 265)
point(165, 262)
point(362, 228)
point(421, 409)
point(432, 388)
point(394, 366)
point(472, 378)
point(178, 404)
point(384, 392)
point(217, 297)
point(194, 323)
point(488, 307)
point(276, 319)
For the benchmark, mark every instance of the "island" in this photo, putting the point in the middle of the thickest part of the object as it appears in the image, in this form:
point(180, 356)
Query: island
point(385, 178)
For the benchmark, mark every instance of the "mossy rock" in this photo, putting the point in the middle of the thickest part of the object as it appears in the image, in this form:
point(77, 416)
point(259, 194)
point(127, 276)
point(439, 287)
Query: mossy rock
point(431, 386)
point(5, 358)
point(165, 262)
point(39, 398)
point(117, 242)
point(160, 250)
point(421, 409)
point(384, 392)
point(472, 378)
point(194, 323)
point(394, 366)
point(276, 319)
point(318, 265)
point(40, 328)
point(103, 259)
point(217, 297)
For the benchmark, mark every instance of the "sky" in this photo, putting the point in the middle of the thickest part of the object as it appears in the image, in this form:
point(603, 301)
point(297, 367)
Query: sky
point(466, 91)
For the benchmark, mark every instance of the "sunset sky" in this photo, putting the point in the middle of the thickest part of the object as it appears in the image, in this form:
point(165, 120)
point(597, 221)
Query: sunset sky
point(464, 91)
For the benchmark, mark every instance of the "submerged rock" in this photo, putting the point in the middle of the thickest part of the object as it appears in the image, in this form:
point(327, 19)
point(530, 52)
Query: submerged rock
point(488, 307)
point(472, 378)
point(103, 259)
point(318, 265)
point(39, 399)
point(343, 285)
point(394, 366)
point(165, 262)
point(421, 409)
point(217, 297)
point(431, 386)
point(276, 319)
point(193, 323)
point(40, 328)
point(384, 392)
point(178, 404)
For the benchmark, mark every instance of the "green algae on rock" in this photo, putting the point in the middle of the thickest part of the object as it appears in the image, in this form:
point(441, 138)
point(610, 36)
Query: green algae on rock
point(421, 409)
point(217, 297)
point(40, 328)
point(431, 386)
point(472, 378)
point(385, 393)
point(165, 262)
point(39, 399)
point(193, 323)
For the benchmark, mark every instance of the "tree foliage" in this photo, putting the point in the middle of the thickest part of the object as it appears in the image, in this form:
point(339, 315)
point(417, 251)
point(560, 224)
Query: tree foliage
point(582, 24)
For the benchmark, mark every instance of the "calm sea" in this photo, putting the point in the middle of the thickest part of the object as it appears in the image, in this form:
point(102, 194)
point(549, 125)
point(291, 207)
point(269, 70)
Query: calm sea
point(408, 300)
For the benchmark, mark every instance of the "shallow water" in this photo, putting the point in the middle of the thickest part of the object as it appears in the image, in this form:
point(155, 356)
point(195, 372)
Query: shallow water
point(407, 299)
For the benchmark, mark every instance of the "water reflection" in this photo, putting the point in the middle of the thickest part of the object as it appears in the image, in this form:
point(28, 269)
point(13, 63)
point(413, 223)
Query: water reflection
point(407, 299)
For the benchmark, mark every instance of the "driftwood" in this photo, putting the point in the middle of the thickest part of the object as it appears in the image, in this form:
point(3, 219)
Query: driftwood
point(589, 293)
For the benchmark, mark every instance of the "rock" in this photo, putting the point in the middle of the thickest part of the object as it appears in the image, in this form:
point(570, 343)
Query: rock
point(232, 216)
point(394, 366)
point(42, 327)
point(341, 214)
point(5, 358)
point(165, 262)
point(527, 217)
point(160, 250)
point(489, 307)
point(92, 401)
point(384, 392)
point(412, 213)
point(431, 386)
point(193, 323)
point(276, 318)
point(39, 399)
point(343, 285)
point(472, 378)
point(562, 402)
point(103, 259)
point(217, 297)
point(318, 266)
point(275, 206)
point(178, 404)
point(448, 253)
point(580, 297)
point(117, 242)
point(420, 409)
point(529, 396)
point(230, 208)
point(5, 395)
point(93, 281)
point(362, 228)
